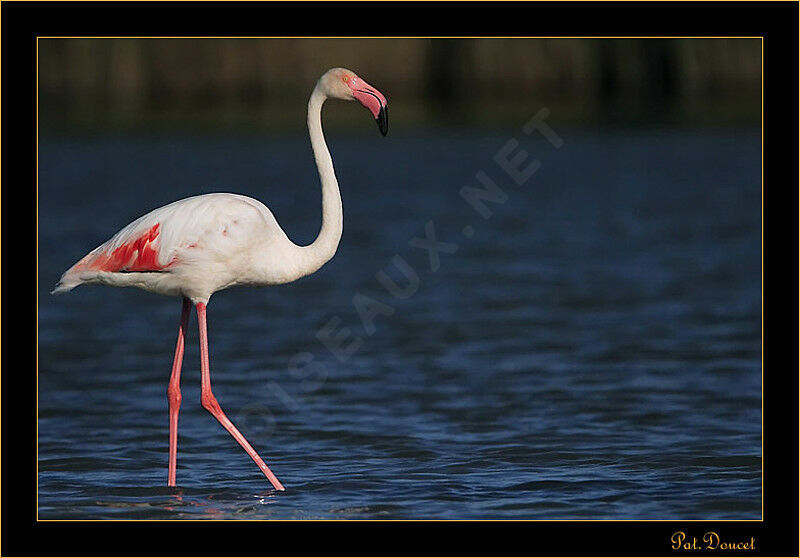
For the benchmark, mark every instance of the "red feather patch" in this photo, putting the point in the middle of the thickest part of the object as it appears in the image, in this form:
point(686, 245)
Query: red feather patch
point(139, 255)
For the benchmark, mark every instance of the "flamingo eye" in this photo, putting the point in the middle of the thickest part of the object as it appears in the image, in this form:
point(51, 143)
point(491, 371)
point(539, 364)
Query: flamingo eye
point(346, 79)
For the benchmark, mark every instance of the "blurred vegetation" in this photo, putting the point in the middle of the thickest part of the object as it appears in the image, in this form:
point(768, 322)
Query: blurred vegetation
point(264, 84)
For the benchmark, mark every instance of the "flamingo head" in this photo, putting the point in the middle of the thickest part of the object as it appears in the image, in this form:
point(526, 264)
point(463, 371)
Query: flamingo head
point(340, 83)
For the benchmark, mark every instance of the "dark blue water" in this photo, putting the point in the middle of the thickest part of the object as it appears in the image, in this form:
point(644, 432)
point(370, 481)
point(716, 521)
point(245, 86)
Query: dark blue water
point(592, 350)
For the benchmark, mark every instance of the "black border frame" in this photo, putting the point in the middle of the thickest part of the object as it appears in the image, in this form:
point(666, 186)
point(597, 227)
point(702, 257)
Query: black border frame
point(22, 22)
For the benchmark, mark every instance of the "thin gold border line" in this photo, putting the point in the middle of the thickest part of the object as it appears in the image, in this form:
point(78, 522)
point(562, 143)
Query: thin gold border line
point(398, 36)
point(761, 37)
point(762, 278)
point(37, 278)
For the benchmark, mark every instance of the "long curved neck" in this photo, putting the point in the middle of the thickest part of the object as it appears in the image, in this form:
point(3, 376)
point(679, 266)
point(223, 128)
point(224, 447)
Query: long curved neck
point(324, 247)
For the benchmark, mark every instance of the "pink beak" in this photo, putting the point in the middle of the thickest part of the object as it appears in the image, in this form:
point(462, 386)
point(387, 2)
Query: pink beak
point(373, 100)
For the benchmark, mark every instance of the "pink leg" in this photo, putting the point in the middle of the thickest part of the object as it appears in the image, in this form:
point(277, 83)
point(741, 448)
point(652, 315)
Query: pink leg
point(212, 406)
point(174, 392)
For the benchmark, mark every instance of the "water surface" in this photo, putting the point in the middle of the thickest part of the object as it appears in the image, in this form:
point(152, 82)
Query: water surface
point(591, 351)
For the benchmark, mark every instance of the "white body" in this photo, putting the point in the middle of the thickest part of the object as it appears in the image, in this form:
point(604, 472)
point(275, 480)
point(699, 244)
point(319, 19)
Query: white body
point(216, 241)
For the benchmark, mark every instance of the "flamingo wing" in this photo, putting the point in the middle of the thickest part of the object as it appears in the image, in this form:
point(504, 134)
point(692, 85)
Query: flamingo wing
point(126, 252)
point(214, 225)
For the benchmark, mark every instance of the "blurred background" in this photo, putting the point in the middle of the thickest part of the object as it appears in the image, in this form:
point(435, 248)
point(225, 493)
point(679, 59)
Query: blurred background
point(456, 82)
point(592, 350)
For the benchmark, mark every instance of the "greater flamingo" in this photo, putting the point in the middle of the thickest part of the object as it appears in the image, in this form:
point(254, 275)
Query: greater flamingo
point(197, 246)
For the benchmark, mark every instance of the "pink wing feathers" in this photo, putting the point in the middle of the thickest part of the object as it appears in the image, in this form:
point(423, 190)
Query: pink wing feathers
point(139, 253)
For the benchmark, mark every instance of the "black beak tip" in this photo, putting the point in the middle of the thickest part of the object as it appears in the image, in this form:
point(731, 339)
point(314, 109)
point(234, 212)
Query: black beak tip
point(383, 120)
